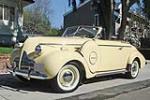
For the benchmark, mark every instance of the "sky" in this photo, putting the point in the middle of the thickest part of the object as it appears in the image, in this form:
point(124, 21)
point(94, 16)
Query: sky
point(59, 8)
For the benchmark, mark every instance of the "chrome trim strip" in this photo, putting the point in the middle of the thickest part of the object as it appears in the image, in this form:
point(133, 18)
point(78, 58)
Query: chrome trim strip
point(115, 46)
point(110, 70)
point(104, 73)
point(57, 44)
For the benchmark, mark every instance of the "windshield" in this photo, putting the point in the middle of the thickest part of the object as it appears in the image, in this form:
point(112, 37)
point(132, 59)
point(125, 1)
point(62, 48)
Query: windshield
point(89, 32)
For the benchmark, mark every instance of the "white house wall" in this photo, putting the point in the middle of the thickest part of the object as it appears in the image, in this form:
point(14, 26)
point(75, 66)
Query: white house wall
point(7, 27)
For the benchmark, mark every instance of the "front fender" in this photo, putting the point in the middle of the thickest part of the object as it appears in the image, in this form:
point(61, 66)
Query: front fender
point(53, 62)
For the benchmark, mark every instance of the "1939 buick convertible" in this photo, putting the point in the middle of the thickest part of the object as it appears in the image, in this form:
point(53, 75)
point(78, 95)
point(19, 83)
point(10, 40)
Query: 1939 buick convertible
point(79, 54)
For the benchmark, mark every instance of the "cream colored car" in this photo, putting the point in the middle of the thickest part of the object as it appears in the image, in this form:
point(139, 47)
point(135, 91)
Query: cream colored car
point(81, 53)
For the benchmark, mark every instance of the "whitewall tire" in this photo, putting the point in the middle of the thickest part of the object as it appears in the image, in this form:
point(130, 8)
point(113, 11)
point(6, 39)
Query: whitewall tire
point(134, 70)
point(67, 79)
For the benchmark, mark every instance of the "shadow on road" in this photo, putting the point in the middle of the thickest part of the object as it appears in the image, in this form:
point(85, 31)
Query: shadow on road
point(105, 78)
point(8, 82)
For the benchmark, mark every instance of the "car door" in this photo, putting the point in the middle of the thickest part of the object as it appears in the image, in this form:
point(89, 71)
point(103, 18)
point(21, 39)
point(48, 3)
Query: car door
point(111, 55)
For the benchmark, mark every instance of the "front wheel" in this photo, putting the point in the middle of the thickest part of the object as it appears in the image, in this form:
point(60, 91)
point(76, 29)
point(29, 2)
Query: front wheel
point(134, 70)
point(67, 79)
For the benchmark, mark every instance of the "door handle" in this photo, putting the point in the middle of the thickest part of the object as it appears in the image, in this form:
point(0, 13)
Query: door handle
point(120, 48)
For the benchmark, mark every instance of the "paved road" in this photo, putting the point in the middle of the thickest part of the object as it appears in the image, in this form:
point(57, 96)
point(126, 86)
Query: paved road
point(142, 94)
point(12, 89)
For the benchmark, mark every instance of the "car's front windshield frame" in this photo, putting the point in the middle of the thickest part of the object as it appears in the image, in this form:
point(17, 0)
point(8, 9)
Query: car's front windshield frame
point(75, 31)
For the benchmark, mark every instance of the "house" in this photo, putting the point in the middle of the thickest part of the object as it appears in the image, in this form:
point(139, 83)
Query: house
point(85, 15)
point(11, 20)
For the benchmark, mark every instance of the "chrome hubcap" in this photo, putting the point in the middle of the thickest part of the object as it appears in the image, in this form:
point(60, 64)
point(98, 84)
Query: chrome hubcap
point(67, 77)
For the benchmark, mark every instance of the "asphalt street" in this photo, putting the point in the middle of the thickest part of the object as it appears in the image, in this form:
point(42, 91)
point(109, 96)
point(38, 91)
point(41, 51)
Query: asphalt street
point(142, 94)
point(12, 89)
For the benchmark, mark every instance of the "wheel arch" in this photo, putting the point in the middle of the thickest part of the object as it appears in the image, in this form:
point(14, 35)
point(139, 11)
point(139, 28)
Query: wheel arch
point(138, 60)
point(137, 56)
point(80, 66)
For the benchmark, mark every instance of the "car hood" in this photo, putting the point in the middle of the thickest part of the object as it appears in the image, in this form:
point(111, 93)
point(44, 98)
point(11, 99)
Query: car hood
point(31, 43)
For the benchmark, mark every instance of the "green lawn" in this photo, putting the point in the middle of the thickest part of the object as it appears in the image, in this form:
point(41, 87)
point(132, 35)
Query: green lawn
point(5, 50)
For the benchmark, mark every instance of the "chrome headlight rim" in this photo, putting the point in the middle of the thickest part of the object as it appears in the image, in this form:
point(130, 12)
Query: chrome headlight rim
point(18, 45)
point(38, 49)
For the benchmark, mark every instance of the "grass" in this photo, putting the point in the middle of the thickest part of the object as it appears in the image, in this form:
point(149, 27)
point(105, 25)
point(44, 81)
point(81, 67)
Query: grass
point(5, 50)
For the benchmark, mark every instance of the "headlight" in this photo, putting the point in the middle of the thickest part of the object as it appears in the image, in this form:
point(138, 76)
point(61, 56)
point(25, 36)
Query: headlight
point(38, 49)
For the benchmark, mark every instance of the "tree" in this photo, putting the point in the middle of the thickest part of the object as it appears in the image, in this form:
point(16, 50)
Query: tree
point(43, 6)
point(106, 8)
point(126, 4)
point(19, 19)
point(35, 22)
point(146, 8)
point(37, 18)
point(102, 7)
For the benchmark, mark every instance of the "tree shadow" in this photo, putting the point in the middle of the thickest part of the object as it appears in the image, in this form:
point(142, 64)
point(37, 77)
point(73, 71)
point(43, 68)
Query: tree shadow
point(8, 82)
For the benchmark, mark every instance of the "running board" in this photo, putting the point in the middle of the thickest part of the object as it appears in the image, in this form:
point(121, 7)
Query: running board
point(105, 73)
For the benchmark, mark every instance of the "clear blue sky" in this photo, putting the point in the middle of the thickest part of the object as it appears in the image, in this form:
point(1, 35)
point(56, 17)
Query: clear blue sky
point(59, 8)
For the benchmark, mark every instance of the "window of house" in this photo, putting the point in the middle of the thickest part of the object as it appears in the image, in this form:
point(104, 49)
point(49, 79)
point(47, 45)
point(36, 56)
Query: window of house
point(1, 12)
point(97, 21)
point(7, 13)
point(12, 13)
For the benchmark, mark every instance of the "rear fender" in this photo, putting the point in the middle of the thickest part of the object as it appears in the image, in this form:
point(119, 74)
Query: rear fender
point(138, 55)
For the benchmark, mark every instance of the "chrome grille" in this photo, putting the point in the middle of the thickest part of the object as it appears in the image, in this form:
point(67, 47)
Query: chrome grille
point(29, 64)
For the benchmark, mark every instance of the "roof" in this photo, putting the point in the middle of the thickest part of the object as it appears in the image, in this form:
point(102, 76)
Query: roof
point(30, 1)
point(84, 3)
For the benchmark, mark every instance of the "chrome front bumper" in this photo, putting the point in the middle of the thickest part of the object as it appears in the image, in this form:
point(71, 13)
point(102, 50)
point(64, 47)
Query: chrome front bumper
point(31, 74)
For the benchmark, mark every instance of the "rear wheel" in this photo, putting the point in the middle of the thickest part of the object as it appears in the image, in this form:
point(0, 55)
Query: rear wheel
point(134, 70)
point(67, 79)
